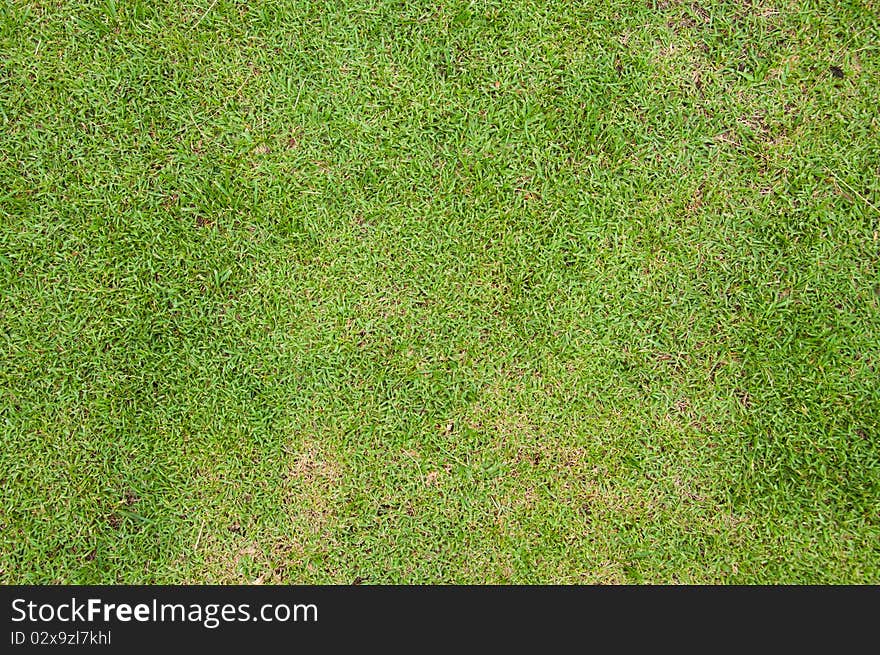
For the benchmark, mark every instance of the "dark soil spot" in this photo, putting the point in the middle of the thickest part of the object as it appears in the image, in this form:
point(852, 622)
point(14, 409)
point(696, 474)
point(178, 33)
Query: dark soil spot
point(837, 72)
point(700, 11)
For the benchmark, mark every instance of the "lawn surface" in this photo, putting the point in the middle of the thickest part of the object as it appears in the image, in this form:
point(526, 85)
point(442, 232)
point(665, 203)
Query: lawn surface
point(397, 291)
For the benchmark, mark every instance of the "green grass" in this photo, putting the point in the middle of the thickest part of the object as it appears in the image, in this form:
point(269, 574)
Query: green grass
point(396, 291)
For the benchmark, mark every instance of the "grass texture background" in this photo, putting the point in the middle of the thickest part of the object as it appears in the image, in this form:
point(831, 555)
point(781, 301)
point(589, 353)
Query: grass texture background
point(409, 292)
